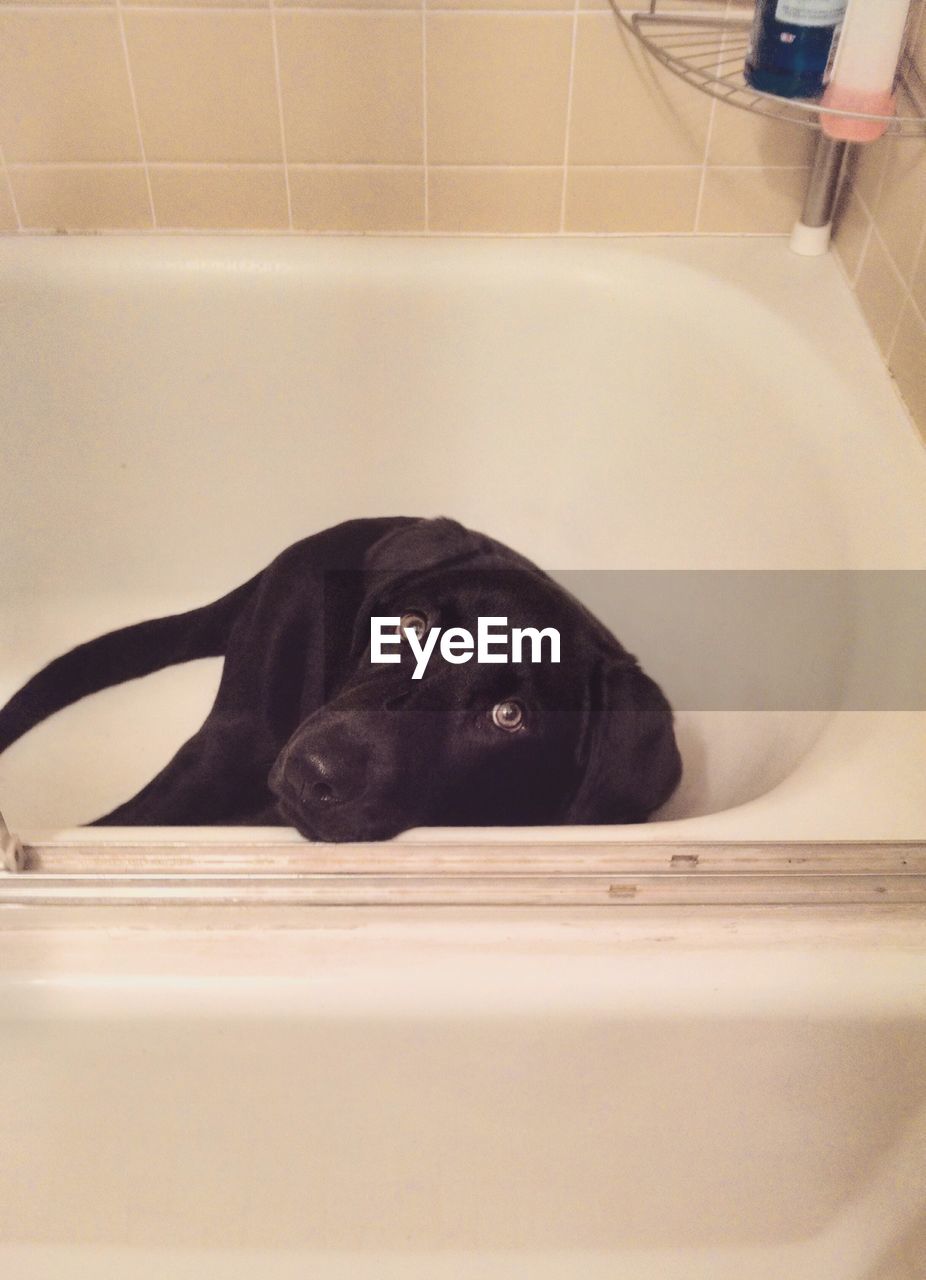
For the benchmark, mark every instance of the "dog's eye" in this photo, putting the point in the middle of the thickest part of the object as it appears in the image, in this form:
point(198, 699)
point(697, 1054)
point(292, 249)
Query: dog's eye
point(508, 715)
point(414, 621)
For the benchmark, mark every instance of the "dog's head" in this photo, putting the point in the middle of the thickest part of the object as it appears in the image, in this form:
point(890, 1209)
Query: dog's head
point(586, 740)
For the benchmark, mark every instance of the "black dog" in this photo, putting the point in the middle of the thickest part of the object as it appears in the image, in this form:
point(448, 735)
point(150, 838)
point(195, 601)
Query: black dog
point(306, 730)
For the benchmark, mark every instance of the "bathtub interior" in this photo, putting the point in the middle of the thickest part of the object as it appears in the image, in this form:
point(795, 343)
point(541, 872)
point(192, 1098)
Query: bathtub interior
point(178, 412)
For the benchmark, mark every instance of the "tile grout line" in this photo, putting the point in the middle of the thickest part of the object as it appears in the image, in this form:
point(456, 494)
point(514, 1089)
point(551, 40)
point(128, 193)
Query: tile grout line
point(387, 164)
point(702, 183)
point(906, 295)
point(875, 201)
point(856, 274)
point(918, 25)
point(919, 258)
point(409, 9)
point(905, 289)
point(283, 232)
point(141, 141)
point(569, 93)
point(424, 114)
point(282, 122)
point(872, 232)
point(9, 187)
point(910, 300)
point(707, 142)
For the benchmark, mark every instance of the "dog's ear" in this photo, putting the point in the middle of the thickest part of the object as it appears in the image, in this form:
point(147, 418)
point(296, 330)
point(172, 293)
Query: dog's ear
point(629, 759)
point(422, 545)
point(403, 554)
point(432, 544)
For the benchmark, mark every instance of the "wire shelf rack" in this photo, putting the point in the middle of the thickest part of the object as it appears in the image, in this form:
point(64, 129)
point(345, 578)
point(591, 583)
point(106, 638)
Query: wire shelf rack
point(705, 42)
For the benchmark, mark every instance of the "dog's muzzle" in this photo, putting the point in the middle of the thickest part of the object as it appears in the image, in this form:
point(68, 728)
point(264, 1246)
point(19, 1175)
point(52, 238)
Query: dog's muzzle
point(317, 779)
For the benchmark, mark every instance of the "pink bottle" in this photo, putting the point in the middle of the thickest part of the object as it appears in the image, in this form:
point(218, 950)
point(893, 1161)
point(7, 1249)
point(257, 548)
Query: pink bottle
point(865, 68)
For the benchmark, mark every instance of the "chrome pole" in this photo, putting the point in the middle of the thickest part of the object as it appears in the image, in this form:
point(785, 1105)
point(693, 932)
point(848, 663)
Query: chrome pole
point(811, 234)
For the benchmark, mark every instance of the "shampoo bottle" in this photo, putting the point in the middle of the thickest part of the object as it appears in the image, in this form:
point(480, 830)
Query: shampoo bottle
point(865, 68)
point(790, 46)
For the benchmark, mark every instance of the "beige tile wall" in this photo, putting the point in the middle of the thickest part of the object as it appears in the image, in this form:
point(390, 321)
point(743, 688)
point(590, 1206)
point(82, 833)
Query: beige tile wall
point(510, 116)
point(881, 242)
point(368, 115)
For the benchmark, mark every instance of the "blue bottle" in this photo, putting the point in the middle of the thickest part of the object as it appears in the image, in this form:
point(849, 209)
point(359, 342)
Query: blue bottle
point(790, 46)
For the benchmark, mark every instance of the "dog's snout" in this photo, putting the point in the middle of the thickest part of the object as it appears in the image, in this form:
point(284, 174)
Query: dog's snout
point(321, 778)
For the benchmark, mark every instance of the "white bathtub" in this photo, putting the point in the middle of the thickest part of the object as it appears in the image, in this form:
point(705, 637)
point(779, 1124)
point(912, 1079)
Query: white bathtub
point(177, 411)
point(689, 1050)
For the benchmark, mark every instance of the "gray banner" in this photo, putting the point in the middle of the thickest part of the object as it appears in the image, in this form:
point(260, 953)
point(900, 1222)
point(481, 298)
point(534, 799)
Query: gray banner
point(776, 640)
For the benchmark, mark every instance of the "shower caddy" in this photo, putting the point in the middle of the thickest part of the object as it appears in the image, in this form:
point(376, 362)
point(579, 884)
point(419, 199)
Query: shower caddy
point(704, 43)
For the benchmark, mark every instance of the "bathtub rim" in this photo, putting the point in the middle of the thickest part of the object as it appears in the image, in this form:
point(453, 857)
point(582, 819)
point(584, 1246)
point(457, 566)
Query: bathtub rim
point(249, 867)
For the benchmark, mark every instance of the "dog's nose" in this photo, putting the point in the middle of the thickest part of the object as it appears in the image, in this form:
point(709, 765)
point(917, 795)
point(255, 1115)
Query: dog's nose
point(321, 779)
